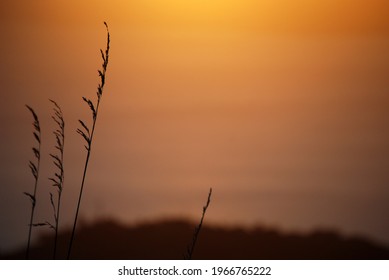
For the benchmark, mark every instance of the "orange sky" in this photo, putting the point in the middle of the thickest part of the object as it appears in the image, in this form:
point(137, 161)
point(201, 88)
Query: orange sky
point(280, 106)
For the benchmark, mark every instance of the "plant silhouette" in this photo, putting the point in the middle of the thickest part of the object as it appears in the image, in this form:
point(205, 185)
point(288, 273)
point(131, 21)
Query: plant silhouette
point(34, 166)
point(87, 133)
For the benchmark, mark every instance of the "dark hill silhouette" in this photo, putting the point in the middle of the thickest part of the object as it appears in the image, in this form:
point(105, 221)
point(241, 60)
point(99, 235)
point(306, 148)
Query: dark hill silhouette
point(169, 239)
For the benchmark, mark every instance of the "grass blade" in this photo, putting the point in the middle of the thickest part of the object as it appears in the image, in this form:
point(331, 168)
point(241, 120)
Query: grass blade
point(35, 172)
point(58, 180)
point(88, 136)
point(191, 248)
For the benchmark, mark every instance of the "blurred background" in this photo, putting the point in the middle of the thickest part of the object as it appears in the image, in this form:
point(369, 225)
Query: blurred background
point(282, 107)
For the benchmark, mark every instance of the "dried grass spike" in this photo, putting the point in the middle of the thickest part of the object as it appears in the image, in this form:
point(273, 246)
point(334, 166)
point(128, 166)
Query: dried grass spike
point(34, 167)
point(58, 179)
point(87, 134)
point(191, 248)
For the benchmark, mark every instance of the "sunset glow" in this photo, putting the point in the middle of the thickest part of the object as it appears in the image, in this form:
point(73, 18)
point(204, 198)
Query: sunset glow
point(280, 106)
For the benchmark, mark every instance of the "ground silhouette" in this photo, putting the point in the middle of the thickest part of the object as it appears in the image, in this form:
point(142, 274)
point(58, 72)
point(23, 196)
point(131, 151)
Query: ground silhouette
point(168, 239)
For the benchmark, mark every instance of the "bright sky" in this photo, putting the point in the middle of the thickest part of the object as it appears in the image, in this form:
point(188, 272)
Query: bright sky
point(280, 106)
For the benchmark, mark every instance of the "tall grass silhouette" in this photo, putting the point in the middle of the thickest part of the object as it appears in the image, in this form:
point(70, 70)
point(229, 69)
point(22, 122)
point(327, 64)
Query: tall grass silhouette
point(34, 166)
point(88, 133)
point(58, 179)
point(197, 230)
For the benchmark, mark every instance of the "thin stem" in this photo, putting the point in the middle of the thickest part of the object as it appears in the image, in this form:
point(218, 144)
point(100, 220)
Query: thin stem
point(198, 228)
point(56, 226)
point(32, 211)
point(78, 204)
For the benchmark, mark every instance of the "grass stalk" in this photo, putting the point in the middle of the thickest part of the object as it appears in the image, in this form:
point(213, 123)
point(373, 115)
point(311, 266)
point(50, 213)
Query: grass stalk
point(58, 179)
point(87, 133)
point(197, 230)
point(34, 166)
